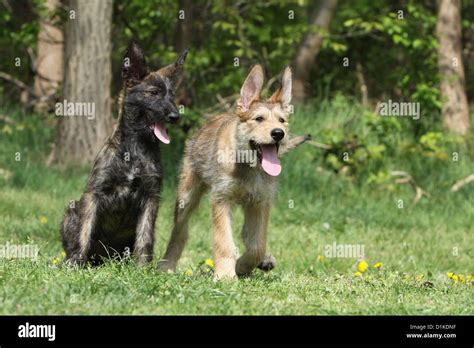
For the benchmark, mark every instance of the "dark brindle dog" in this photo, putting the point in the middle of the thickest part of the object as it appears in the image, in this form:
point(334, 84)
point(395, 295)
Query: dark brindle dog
point(118, 209)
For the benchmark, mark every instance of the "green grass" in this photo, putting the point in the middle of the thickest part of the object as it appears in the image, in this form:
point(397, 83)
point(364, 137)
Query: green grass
point(417, 244)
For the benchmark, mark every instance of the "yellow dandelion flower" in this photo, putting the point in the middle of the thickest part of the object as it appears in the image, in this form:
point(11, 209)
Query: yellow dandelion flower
point(320, 258)
point(56, 261)
point(461, 278)
point(419, 277)
point(357, 274)
point(43, 220)
point(63, 253)
point(362, 266)
point(469, 278)
point(7, 129)
point(378, 265)
point(450, 275)
point(209, 263)
point(189, 272)
point(455, 278)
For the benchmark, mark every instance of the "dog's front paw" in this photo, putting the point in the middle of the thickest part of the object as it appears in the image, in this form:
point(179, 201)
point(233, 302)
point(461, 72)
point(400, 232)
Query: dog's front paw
point(75, 260)
point(268, 263)
point(225, 275)
point(144, 259)
point(166, 266)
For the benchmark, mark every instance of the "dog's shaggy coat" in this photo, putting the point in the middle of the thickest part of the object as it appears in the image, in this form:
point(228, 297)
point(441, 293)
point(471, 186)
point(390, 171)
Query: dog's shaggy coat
point(259, 126)
point(117, 212)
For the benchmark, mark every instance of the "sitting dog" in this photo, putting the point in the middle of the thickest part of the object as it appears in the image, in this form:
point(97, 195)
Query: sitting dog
point(235, 157)
point(117, 212)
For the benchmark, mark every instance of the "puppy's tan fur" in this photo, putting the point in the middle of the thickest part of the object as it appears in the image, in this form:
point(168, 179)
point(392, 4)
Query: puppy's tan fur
point(230, 183)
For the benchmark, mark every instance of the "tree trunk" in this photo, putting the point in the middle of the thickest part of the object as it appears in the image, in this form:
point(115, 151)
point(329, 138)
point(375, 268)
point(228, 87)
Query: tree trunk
point(87, 80)
point(454, 102)
point(320, 19)
point(49, 59)
point(185, 33)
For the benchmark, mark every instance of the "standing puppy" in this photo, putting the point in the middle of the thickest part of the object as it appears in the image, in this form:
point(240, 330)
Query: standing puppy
point(235, 157)
point(117, 211)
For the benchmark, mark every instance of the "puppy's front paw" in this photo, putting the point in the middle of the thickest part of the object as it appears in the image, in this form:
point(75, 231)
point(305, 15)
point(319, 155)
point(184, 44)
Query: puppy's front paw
point(230, 275)
point(166, 266)
point(268, 263)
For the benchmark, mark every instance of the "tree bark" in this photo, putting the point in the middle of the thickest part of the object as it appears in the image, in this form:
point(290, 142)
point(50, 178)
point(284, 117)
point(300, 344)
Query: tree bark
point(49, 59)
point(455, 109)
point(87, 79)
point(320, 19)
point(185, 32)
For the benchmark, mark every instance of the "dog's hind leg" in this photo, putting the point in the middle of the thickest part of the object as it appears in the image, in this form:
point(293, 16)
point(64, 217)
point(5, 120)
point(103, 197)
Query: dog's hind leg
point(145, 234)
point(254, 234)
point(190, 192)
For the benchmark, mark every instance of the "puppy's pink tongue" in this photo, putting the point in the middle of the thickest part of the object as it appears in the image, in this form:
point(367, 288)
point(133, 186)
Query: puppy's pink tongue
point(270, 162)
point(160, 132)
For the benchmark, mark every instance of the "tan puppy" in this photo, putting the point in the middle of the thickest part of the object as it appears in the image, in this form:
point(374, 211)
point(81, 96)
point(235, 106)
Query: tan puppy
point(235, 157)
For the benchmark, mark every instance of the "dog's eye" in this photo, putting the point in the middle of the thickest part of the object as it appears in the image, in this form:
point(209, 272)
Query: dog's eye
point(282, 120)
point(259, 119)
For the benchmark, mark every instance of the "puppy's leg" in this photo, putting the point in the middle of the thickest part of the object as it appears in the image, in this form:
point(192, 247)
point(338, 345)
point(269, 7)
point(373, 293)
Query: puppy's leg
point(254, 233)
point(88, 220)
point(190, 192)
point(224, 247)
point(145, 234)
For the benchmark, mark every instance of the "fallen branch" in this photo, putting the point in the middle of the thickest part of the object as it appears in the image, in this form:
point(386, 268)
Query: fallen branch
point(319, 145)
point(405, 178)
point(20, 84)
point(460, 183)
point(6, 119)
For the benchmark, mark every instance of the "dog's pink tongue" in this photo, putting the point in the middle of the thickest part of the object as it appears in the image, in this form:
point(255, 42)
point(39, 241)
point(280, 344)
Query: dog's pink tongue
point(160, 132)
point(270, 162)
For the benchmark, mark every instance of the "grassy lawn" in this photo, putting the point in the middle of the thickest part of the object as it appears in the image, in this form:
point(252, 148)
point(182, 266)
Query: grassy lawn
point(417, 244)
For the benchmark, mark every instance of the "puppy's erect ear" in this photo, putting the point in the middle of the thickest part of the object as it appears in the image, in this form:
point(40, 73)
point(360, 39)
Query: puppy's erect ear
point(172, 71)
point(283, 94)
point(250, 91)
point(134, 66)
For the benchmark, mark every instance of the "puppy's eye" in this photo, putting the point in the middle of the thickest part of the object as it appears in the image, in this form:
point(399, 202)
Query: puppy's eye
point(282, 120)
point(155, 91)
point(259, 119)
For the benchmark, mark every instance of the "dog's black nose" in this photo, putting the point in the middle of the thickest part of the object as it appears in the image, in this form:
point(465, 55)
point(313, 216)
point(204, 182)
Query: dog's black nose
point(277, 134)
point(172, 117)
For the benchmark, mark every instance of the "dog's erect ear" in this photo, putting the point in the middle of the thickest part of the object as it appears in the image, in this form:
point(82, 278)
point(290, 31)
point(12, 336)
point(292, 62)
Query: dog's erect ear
point(250, 91)
point(171, 71)
point(134, 66)
point(283, 93)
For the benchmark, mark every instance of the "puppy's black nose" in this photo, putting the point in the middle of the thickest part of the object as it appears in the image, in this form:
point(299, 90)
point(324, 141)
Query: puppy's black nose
point(277, 134)
point(172, 117)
